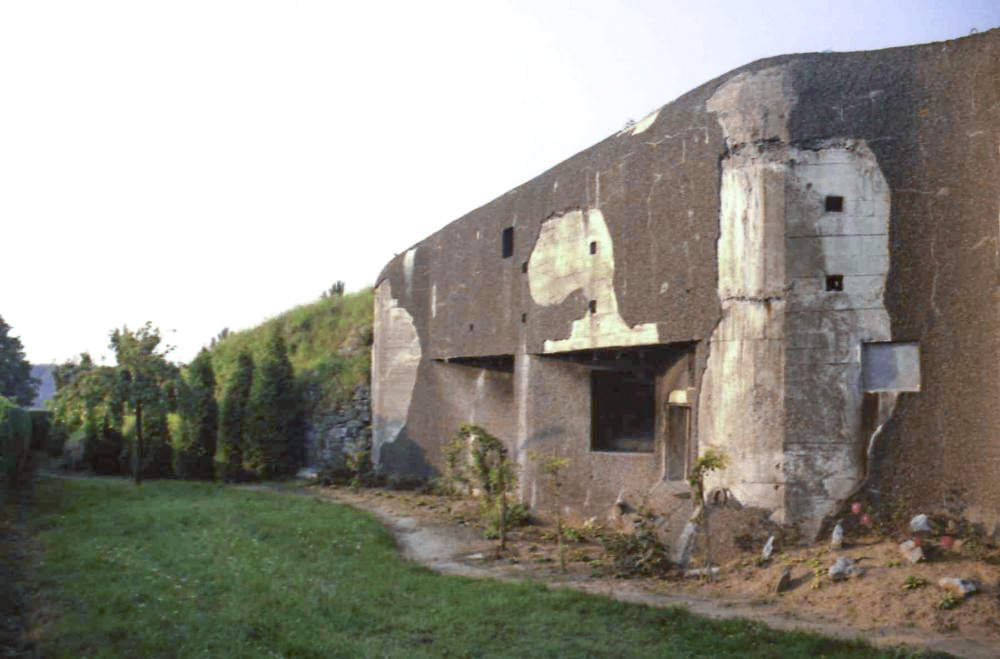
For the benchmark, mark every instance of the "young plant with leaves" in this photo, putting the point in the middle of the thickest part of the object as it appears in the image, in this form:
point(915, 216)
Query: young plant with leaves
point(710, 461)
point(485, 462)
point(552, 466)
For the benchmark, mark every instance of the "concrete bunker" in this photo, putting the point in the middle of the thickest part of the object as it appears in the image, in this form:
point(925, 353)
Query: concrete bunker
point(785, 264)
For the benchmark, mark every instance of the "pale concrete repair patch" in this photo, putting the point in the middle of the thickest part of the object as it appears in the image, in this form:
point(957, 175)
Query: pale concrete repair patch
point(803, 257)
point(395, 359)
point(754, 106)
point(574, 252)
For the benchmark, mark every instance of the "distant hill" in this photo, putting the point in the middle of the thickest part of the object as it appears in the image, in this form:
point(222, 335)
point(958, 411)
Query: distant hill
point(47, 388)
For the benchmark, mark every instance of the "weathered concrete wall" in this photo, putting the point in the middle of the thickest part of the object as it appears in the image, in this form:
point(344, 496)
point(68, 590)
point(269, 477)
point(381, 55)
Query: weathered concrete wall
point(709, 227)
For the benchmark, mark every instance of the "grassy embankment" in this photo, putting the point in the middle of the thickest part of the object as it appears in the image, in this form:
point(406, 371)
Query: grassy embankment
point(328, 345)
point(196, 569)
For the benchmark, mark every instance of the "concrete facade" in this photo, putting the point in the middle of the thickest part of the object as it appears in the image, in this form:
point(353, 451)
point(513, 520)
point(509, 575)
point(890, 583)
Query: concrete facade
point(797, 263)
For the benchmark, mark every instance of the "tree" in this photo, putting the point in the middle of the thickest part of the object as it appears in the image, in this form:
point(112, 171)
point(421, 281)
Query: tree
point(200, 411)
point(145, 378)
point(235, 399)
point(16, 382)
point(87, 411)
point(277, 419)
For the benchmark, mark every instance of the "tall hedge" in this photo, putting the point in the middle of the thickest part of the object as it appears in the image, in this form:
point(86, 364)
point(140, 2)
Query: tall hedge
point(276, 428)
point(15, 440)
point(233, 422)
point(200, 412)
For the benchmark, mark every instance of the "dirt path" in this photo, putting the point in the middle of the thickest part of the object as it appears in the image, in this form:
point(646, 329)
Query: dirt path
point(427, 536)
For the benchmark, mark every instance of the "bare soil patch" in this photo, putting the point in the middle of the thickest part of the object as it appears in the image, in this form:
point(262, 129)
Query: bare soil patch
point(443, 534)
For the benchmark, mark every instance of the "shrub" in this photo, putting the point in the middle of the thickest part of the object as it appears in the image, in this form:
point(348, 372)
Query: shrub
point(40, 424)
point(199, 432)
point(236, 398)
point(640, 553)
point(476, 457)
point(15, 442)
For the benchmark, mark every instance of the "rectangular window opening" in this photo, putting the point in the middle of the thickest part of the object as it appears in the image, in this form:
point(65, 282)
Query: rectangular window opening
point(834, 283)
point(592, 305)
point(623, 411)
point(834, 204)
point(507, 240)
point(593, 247)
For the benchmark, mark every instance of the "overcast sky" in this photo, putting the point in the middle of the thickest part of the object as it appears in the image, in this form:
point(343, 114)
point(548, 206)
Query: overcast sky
point(211, 164)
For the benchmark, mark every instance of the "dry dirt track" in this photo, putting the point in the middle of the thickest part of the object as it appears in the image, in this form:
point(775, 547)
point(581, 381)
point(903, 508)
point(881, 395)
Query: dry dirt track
point(446, 547)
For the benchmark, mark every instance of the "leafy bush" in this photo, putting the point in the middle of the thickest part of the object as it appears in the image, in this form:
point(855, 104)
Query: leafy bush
point(15, 442)
point(39, 429)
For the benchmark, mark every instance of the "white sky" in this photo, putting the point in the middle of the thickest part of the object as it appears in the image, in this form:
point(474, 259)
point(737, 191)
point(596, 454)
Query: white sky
point(210, 164)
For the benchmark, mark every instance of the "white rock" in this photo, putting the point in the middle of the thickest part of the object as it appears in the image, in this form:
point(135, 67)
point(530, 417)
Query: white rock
point(961, 587)
point(842, 568)
point(768, 549)
point(837, 539)
point(911, 551)
point(920, 523)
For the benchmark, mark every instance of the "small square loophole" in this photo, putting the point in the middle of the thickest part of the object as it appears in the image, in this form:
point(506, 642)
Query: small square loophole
point(834, 204)
point(471, 327)
point(592, 305)
point(834, 283)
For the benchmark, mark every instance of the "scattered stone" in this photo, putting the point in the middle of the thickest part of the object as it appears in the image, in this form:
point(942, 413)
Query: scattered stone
point(307, 473)
point(837, 539)
point(842, 568)
point(920, 524)
point(961, 587)
point(784, 580)
point(475, 557)
point(701, 572)
point(911, 551)
point(765, 554)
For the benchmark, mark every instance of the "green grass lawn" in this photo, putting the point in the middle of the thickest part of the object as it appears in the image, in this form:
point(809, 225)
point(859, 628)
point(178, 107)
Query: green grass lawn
point(194, 569)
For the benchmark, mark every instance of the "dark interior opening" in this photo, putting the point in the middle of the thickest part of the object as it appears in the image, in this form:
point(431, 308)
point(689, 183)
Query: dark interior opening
point(524, 267)
point(834, 204)
point(524, 317)
point(624, 411)
point(491, 362)
point(835, 283)
point(507, 240)
point(593, 247)
point(592, 305)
